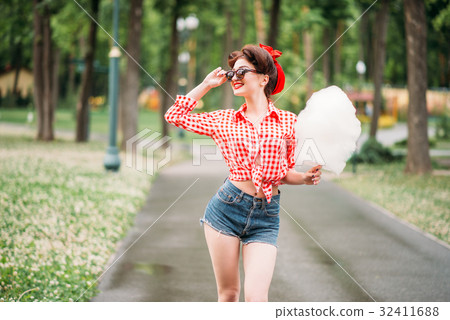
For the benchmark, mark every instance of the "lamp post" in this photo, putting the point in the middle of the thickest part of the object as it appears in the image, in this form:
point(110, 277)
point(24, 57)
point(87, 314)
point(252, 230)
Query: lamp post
point(112, 160)
point(361, 69)
point(185, 26)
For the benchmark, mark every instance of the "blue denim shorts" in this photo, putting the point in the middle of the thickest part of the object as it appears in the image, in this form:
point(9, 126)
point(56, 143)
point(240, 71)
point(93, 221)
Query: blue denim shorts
point(233, 212)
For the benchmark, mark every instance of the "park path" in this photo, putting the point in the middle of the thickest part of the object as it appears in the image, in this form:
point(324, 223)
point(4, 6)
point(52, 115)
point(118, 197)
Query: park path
point(333, 246)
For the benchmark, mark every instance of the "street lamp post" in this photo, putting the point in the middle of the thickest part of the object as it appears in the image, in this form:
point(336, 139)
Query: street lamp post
point(361, 69)
point(112, 160)
point(185, 26)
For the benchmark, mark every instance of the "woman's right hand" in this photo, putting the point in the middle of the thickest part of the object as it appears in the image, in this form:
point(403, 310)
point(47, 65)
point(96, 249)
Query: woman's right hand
point(215, 78)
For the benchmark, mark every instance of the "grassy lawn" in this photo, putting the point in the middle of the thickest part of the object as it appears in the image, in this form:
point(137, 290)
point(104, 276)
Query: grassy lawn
point(420, 200)
point(62, 216)
point(66, 119)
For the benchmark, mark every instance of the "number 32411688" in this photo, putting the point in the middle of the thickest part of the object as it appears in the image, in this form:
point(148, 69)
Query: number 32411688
point(409, 311)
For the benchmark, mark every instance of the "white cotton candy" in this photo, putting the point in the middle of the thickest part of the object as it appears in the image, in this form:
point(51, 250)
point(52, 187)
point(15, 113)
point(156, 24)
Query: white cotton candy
point(327, 130)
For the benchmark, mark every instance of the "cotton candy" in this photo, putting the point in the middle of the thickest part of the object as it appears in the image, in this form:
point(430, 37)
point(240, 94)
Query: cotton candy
point(327, 130)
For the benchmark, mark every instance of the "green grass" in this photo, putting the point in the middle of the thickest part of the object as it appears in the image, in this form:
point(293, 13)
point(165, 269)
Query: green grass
point(420, 200)
point(65, 119)
point(61, 217)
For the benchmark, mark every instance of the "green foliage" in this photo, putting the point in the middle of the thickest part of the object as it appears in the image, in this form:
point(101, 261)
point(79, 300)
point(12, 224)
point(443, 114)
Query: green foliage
point(373, 152)
point(404, 143)
point(443, 127)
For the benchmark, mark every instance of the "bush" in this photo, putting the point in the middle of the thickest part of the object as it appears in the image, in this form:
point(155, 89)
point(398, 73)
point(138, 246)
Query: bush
point(375, 153)
point(404, 143)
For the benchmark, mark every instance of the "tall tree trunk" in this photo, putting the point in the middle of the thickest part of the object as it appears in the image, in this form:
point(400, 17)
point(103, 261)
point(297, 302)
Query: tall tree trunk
point(308, 51)
point(48, 106)
point(380, 56)
point(87, 79)
point(274, 23)
point(242, 23)
point(418, 158)
point(129, 108)
point(227, 91)
point(259, 21)
point(170, 80)
point(326, 57)
point(337, 51)
point(42, 71)
point(55, 77)
point(363, 43)
point(38, 85)
point(17, 66)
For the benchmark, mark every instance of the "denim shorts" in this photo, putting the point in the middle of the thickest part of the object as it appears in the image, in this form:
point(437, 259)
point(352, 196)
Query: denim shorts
point(233, 212)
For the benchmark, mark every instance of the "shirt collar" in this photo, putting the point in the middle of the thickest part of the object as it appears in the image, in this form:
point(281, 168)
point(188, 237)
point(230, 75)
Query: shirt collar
point(273, 111)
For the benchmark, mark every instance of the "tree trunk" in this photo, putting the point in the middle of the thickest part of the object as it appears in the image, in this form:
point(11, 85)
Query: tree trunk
point(38, 85)
point(17, 66)
point(308, 51)
point(171, 81)
point(326, 57)
point(379, 63)
point(48, 107)
point(130, 91)
point(55, 77)
point(363, 44)
point(242, 23)
point(274, 23)
point(259, 21)
point(227, 91)
point(42, 71)
point(87, 79)
point(337, 51)
point(418, 158)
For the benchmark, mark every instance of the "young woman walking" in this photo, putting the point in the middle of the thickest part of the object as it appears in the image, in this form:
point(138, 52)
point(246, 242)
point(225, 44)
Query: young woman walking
point(258, 145)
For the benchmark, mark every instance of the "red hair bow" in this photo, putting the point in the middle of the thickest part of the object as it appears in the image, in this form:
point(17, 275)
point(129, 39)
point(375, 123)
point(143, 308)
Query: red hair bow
point(280, 73)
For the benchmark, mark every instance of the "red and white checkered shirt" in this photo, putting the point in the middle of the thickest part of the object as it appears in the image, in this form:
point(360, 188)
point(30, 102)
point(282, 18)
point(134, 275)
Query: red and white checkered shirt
point(241, 144)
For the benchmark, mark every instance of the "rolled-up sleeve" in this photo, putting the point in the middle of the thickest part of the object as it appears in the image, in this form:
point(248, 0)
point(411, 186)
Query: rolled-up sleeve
point(179, 114)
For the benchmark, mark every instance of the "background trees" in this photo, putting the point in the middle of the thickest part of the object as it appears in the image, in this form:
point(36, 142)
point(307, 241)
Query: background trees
point(56, 40)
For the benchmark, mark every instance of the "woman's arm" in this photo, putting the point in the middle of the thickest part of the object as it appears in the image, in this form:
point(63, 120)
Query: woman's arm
point(310, 177)
point(179, 114)
point(214, 79)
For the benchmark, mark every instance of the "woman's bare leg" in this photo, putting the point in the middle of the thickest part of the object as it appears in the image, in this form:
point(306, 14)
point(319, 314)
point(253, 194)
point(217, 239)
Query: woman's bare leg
point(259, 263)
point(224, 252)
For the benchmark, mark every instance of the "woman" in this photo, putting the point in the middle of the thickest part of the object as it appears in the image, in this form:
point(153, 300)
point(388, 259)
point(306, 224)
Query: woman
point(258, 145)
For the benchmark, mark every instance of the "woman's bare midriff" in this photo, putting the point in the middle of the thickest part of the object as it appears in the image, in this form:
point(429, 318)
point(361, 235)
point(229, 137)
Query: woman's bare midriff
point(248, 187)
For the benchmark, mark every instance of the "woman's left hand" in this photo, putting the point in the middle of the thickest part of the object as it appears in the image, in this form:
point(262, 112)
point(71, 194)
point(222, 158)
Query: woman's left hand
point(312, 176)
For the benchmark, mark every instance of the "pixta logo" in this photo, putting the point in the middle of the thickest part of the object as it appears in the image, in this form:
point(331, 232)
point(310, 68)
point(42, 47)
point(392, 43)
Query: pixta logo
point(143, 146)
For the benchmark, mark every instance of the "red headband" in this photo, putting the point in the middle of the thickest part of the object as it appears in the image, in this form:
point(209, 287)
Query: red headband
point(280, 78)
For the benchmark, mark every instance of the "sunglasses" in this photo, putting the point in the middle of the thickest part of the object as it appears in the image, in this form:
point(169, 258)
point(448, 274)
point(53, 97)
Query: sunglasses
point(240, 73)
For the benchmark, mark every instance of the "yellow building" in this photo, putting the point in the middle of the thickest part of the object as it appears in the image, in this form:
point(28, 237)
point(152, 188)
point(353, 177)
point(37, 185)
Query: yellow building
point(24, 83)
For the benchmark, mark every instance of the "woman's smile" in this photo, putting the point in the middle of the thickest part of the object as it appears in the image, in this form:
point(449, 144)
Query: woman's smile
point(237, 85)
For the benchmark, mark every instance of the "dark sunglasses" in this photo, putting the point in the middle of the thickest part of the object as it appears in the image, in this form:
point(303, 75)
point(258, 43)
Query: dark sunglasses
point(240, 73)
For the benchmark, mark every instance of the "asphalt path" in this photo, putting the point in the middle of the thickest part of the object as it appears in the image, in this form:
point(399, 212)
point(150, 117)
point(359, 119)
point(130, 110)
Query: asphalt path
point(333, 246)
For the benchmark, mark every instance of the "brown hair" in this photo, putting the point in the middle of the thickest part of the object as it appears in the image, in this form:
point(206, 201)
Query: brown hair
point(261, 60)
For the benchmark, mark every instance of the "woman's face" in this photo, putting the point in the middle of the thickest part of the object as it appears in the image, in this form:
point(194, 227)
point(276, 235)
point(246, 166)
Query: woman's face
point(250, 84)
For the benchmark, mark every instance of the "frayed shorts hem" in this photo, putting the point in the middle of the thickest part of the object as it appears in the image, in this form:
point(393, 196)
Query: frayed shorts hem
point(203, 220)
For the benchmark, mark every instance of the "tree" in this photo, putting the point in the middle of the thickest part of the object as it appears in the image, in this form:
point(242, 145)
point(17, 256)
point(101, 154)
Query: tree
point(418, 158)
point(130, 86)
point(274, 23)
point(379, 63)
point(172, 72)
point(259, 21)
point(309, 52)
point(42, 70)
point(87, 80)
